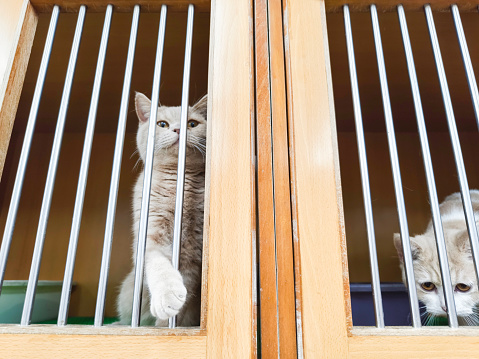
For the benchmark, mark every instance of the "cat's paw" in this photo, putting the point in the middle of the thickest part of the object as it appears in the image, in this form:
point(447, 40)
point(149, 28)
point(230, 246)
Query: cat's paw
point(167, 300)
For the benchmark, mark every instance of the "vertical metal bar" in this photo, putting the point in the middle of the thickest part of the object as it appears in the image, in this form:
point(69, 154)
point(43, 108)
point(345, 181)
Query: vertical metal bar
point(416, 318)
point(145, 200)
point(456, 146)
point(376, 284)
point(27, 142)
point(82, 179)
point(431, 182)
point(471, 78)
point(115, 175)
point(180, 179)
point(52, 169)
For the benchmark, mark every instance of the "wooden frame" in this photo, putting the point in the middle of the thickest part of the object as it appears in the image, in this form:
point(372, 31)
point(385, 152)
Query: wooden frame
point(277, 296)
point(410, 5)
point(229, 329)
point(297, 89)
point(326, 312)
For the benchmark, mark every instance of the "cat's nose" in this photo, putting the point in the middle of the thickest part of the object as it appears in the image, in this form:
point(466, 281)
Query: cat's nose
point(177, 131)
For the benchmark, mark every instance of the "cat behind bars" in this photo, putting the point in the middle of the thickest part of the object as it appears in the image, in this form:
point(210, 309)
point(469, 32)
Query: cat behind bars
point(166, 291)
point(427, 272)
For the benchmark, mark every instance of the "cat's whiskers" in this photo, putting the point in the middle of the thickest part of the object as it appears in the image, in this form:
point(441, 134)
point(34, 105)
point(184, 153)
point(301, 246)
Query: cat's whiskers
point(198, 143)
point(134, 153)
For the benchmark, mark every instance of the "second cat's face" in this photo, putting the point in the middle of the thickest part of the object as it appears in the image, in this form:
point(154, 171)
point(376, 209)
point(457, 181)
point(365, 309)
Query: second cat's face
point(168, 131)
point(427, 274)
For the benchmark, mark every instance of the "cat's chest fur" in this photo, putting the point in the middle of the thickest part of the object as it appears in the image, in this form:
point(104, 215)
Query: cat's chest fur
point(162, 210)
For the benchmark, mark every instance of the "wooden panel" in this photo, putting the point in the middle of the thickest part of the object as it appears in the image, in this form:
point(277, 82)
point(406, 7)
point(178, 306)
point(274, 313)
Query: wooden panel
point(121, 5)
point(268, 297)
point(390, 5)
point(324, 275)
point(406, 347)
point(282, 195)
point(78, 329)
point(104, 346)
point(230, 182)
point(18, 22)
point(293, 192)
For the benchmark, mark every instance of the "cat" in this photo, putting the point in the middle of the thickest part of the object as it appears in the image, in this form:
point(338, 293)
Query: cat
point(167, 291)
point(461, 266)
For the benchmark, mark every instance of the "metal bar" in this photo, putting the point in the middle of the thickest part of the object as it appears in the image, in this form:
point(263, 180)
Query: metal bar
point(180, 179)
point(431, 182)
point(376, 284)
point(52, 169)
point(403, 226)
point(83, 176)
point(456, 146)
point(27, 142)
point(471, 78)
point(115, 175)
point(145, 200)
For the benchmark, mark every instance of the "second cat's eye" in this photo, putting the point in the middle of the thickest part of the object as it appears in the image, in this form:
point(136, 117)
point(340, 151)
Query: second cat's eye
point(163, 124)
point(428, 286)
point(461, 287)
point(192, 123)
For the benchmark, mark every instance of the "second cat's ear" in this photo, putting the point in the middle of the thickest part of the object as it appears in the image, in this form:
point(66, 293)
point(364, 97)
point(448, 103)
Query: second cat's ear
point(398, 244)
point(463, 243)
point(201, 106)
point(142, 106)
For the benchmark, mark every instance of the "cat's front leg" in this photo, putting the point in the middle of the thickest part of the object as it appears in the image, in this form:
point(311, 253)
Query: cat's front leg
point(165, 284)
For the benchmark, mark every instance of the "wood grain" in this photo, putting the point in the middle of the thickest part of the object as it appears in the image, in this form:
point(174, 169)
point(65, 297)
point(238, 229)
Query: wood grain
point(18, 24)
point(121, 5)
point(410, 5)
point(124, 330)
point(268, 297)
point(230, 175)
point(385, 347)
point(282, 194)
point(324, 275)
point(104, 346)
point(293, 192)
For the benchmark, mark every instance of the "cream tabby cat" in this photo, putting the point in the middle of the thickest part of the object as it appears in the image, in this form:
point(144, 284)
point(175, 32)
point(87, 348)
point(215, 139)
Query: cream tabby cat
point(426, 264)
point(166, 291)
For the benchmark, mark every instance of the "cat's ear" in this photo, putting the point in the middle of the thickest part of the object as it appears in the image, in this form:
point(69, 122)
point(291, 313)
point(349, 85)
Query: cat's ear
point(142, 106)
point(415, 249)
point(463, 243)
point(201, 106)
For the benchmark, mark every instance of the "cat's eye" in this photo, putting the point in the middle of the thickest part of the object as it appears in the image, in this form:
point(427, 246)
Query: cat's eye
point(192, 123)
point(428, 286)
point(163, 124)
point(461, 287)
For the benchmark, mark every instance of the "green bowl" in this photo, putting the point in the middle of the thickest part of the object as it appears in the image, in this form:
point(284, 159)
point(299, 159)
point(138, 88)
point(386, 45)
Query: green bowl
point(45, 307)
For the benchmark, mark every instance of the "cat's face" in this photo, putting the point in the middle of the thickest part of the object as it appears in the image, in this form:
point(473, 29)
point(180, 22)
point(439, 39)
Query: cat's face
point(427, 273)
point(168, 131)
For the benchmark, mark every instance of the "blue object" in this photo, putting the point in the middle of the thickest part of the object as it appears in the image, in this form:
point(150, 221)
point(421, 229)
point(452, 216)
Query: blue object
point(395, 304)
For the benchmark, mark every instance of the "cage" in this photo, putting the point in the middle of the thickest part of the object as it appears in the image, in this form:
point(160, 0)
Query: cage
point(28, 24)
point(286, 241)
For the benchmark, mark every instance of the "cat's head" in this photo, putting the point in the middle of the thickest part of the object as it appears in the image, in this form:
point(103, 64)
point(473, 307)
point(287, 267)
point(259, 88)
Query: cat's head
point(168, 131)
point(427, 272)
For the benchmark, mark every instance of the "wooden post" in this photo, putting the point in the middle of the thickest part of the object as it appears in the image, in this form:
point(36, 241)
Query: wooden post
point(18, 22)
point(325, 306)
